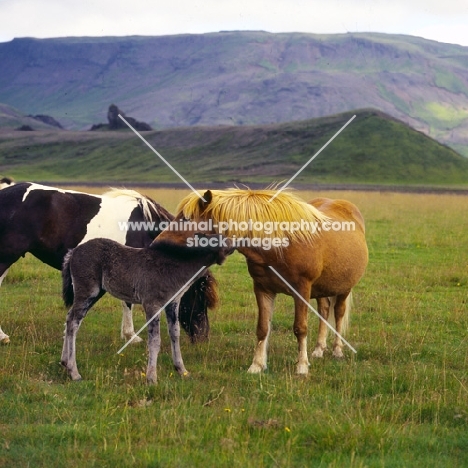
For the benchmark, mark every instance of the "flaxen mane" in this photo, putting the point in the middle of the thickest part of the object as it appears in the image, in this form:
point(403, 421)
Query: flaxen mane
point(285, 216)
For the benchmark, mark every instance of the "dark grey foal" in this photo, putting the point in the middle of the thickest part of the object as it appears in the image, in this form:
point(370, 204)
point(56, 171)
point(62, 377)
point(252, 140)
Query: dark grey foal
point(149, 276)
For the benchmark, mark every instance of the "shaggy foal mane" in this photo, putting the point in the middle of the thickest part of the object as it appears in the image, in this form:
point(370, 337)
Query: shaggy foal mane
point(178, 250)
point(242, 205)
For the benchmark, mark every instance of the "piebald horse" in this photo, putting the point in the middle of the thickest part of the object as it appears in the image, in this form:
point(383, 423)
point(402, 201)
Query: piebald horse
point(318, 248)
point(47, 222)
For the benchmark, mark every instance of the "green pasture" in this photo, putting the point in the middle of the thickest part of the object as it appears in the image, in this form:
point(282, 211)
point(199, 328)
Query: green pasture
point(401, 401)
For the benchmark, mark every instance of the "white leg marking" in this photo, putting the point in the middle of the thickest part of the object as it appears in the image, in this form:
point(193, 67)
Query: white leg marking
point(127, 330)
point(259, 362)
point(303, 361)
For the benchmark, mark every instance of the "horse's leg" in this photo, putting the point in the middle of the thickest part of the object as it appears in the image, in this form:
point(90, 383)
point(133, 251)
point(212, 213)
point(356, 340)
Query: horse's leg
point(342, 310)
point(323, 305)
point(74, 317)
point(4, 338)
point(64, 356)
point(300, 328)
point(127, 330)
point(173, 324)
point(13, 246)
point(265, 302)
point(154, 343)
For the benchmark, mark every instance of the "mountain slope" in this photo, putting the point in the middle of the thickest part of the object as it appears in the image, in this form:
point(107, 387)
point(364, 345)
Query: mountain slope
point(240, 78)
point(373, 149)
point(13, 118)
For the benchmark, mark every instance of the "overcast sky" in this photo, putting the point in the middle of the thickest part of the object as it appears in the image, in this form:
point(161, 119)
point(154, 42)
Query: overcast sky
point(441, 20)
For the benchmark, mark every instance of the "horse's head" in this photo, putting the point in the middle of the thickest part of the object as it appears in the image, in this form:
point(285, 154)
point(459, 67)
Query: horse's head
point(196, 207)
point(221, 245)
point(191, 221)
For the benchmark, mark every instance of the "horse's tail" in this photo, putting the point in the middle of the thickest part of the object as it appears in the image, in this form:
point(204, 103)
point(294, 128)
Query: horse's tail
point(331, 314)
point(211, 291)
point(194, 305)
point(67, 284)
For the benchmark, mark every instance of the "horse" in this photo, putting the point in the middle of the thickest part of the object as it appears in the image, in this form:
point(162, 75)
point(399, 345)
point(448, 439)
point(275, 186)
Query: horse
point(47, 222)
point(153, 276)
point(291, 247)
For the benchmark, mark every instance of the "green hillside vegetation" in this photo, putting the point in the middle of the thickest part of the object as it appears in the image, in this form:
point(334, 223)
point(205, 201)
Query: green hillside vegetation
point(240, 78)
point(373, 149)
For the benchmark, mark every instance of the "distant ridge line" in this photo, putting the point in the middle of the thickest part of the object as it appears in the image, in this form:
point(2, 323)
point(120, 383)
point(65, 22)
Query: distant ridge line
point(255, 186)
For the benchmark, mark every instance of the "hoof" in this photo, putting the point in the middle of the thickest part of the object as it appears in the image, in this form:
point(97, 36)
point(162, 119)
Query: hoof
point(302, 369)
point(338, 354)
point(74, 375)
point(256, 369)
point(5, 339)
point(318, 352)
point(151, 378)
point(134, 339)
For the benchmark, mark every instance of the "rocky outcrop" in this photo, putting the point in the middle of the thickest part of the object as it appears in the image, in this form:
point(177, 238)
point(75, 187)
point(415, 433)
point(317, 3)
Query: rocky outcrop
point(47, 119)
point(116, 123)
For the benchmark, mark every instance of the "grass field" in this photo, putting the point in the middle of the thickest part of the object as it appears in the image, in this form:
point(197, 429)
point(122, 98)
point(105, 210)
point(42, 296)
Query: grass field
point(401, 401)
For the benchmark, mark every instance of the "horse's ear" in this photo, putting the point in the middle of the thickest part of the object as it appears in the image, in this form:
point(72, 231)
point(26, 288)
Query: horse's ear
point(206, 200)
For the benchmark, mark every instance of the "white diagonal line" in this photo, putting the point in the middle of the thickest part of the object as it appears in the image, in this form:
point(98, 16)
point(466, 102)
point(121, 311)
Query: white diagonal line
point(162, 159)
point(159, 311)
point(312, 158)
point(311, 308)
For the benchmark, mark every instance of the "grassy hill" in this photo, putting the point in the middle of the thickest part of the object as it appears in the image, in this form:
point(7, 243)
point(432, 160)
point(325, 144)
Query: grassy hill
point(373, 149)
point(240, 78)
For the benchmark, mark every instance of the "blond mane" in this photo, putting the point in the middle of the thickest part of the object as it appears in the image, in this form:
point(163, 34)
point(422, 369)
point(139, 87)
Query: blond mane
point(243, 205)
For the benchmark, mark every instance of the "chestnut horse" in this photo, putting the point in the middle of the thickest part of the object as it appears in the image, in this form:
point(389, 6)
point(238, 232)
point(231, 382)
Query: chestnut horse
point(313, 250)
